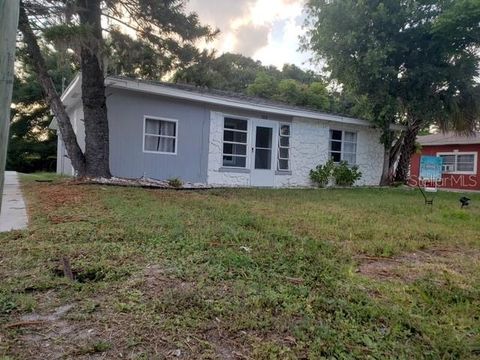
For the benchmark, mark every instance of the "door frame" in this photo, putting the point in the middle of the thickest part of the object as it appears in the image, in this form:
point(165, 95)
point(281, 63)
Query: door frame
point(273, 124)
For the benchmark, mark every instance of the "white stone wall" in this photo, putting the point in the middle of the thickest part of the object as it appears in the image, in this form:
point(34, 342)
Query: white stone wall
point(309, 148)
point(369, 156)
point(215, 177)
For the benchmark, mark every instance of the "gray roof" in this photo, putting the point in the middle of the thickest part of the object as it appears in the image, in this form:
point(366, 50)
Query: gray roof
point(449, 138)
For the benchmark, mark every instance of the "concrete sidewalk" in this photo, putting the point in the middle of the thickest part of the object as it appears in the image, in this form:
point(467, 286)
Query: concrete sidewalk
point(13, 214)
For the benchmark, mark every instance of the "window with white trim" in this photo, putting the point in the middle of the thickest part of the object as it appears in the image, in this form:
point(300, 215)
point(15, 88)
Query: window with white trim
point(235, 134)
point(343, 146)
point(458, 163)
point(160, 136)
point(284, 148)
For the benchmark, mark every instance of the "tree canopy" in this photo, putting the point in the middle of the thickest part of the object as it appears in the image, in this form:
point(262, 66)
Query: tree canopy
point(291, 84)
point(32, 145)
point(145, 38)
point(414, 61)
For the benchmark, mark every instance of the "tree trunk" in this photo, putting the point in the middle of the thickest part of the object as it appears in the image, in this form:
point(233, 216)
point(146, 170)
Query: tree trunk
point(93, 92)
point(386, 179)
point(408, 147)
point(395, 155)
point(51, 96)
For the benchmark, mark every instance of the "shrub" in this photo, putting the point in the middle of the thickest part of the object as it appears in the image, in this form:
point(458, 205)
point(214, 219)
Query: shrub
point(175, 183)
point(322, 174)
point(341, 173)
point(346, 175)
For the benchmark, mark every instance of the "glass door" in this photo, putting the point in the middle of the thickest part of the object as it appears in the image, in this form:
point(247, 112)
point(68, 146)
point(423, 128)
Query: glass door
point(263, 171)
point(263, 148)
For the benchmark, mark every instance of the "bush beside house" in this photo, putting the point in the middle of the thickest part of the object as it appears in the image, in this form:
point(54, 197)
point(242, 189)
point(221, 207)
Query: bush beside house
point(340, 174)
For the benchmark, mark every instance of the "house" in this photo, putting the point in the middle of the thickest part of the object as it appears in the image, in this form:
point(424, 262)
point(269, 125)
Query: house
point(460, 159)
point(163, 131)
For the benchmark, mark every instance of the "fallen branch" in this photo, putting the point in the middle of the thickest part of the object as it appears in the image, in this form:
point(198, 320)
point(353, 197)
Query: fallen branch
point(24, 324)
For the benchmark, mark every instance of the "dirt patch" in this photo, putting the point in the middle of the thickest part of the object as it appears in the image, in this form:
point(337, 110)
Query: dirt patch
point(226, 346)
point(56, 315)
point(412, 266)
point(57, 195)
point(157, 280)
point(175, 295)
point(52, 198)
point(50, 335)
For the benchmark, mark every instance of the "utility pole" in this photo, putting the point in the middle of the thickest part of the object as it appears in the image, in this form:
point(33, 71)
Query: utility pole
point(9, 10)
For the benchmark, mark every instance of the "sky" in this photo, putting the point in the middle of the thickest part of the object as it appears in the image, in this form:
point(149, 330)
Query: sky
point(266, 30)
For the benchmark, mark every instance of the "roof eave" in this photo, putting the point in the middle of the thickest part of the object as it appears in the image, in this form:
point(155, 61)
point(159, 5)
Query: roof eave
point(450, 144)
point(139, 86)
point(74, 88)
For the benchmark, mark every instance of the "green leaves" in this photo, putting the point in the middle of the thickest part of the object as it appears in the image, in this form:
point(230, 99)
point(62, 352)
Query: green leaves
point(145, 38)
point(264, 86)
point(410, 62)
point(32, 145)
point(340, 174)
point(235, 72)
point(314, 95)
point(459, 24)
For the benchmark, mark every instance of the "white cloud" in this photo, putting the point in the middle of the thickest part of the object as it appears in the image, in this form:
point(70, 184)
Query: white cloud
point(284, 48)
point(267, 30)
point(249, 38)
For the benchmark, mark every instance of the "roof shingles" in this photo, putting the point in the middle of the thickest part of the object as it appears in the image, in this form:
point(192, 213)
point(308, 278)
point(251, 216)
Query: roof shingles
point(449, 138)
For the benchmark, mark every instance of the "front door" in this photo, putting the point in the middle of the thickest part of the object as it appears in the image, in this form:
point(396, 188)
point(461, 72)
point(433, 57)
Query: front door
point(263, 153)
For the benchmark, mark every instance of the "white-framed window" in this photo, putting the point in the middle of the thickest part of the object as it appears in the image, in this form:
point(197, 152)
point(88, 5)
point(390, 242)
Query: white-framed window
point(235, 137)
point(284, 148)
point(160, 135)
point(343, 146)
point(459, 162)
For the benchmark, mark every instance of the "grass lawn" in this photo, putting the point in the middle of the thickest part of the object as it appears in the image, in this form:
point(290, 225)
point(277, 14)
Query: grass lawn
point(240, 274)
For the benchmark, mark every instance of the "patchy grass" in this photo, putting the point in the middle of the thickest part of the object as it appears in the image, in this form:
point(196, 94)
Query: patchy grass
point(237, 274)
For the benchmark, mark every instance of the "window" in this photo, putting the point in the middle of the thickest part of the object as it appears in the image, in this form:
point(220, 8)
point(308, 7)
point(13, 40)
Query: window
point(460, 163)
point(284, 148)
point(343, 146)
point(235, 142)
point(160, 136)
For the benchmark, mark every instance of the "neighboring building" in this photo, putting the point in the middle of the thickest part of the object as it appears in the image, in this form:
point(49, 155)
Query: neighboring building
point(163, 131)
point(460, 159)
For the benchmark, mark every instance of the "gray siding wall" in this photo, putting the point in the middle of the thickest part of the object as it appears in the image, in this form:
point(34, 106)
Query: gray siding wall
point(126, 112)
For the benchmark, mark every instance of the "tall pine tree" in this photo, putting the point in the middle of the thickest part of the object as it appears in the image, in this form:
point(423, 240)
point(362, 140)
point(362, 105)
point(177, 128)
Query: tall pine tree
point(162, 27)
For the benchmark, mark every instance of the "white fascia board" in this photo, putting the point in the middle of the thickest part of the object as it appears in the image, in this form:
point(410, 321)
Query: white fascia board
point(74, 85)
point(216, 100)
point(53, 124)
